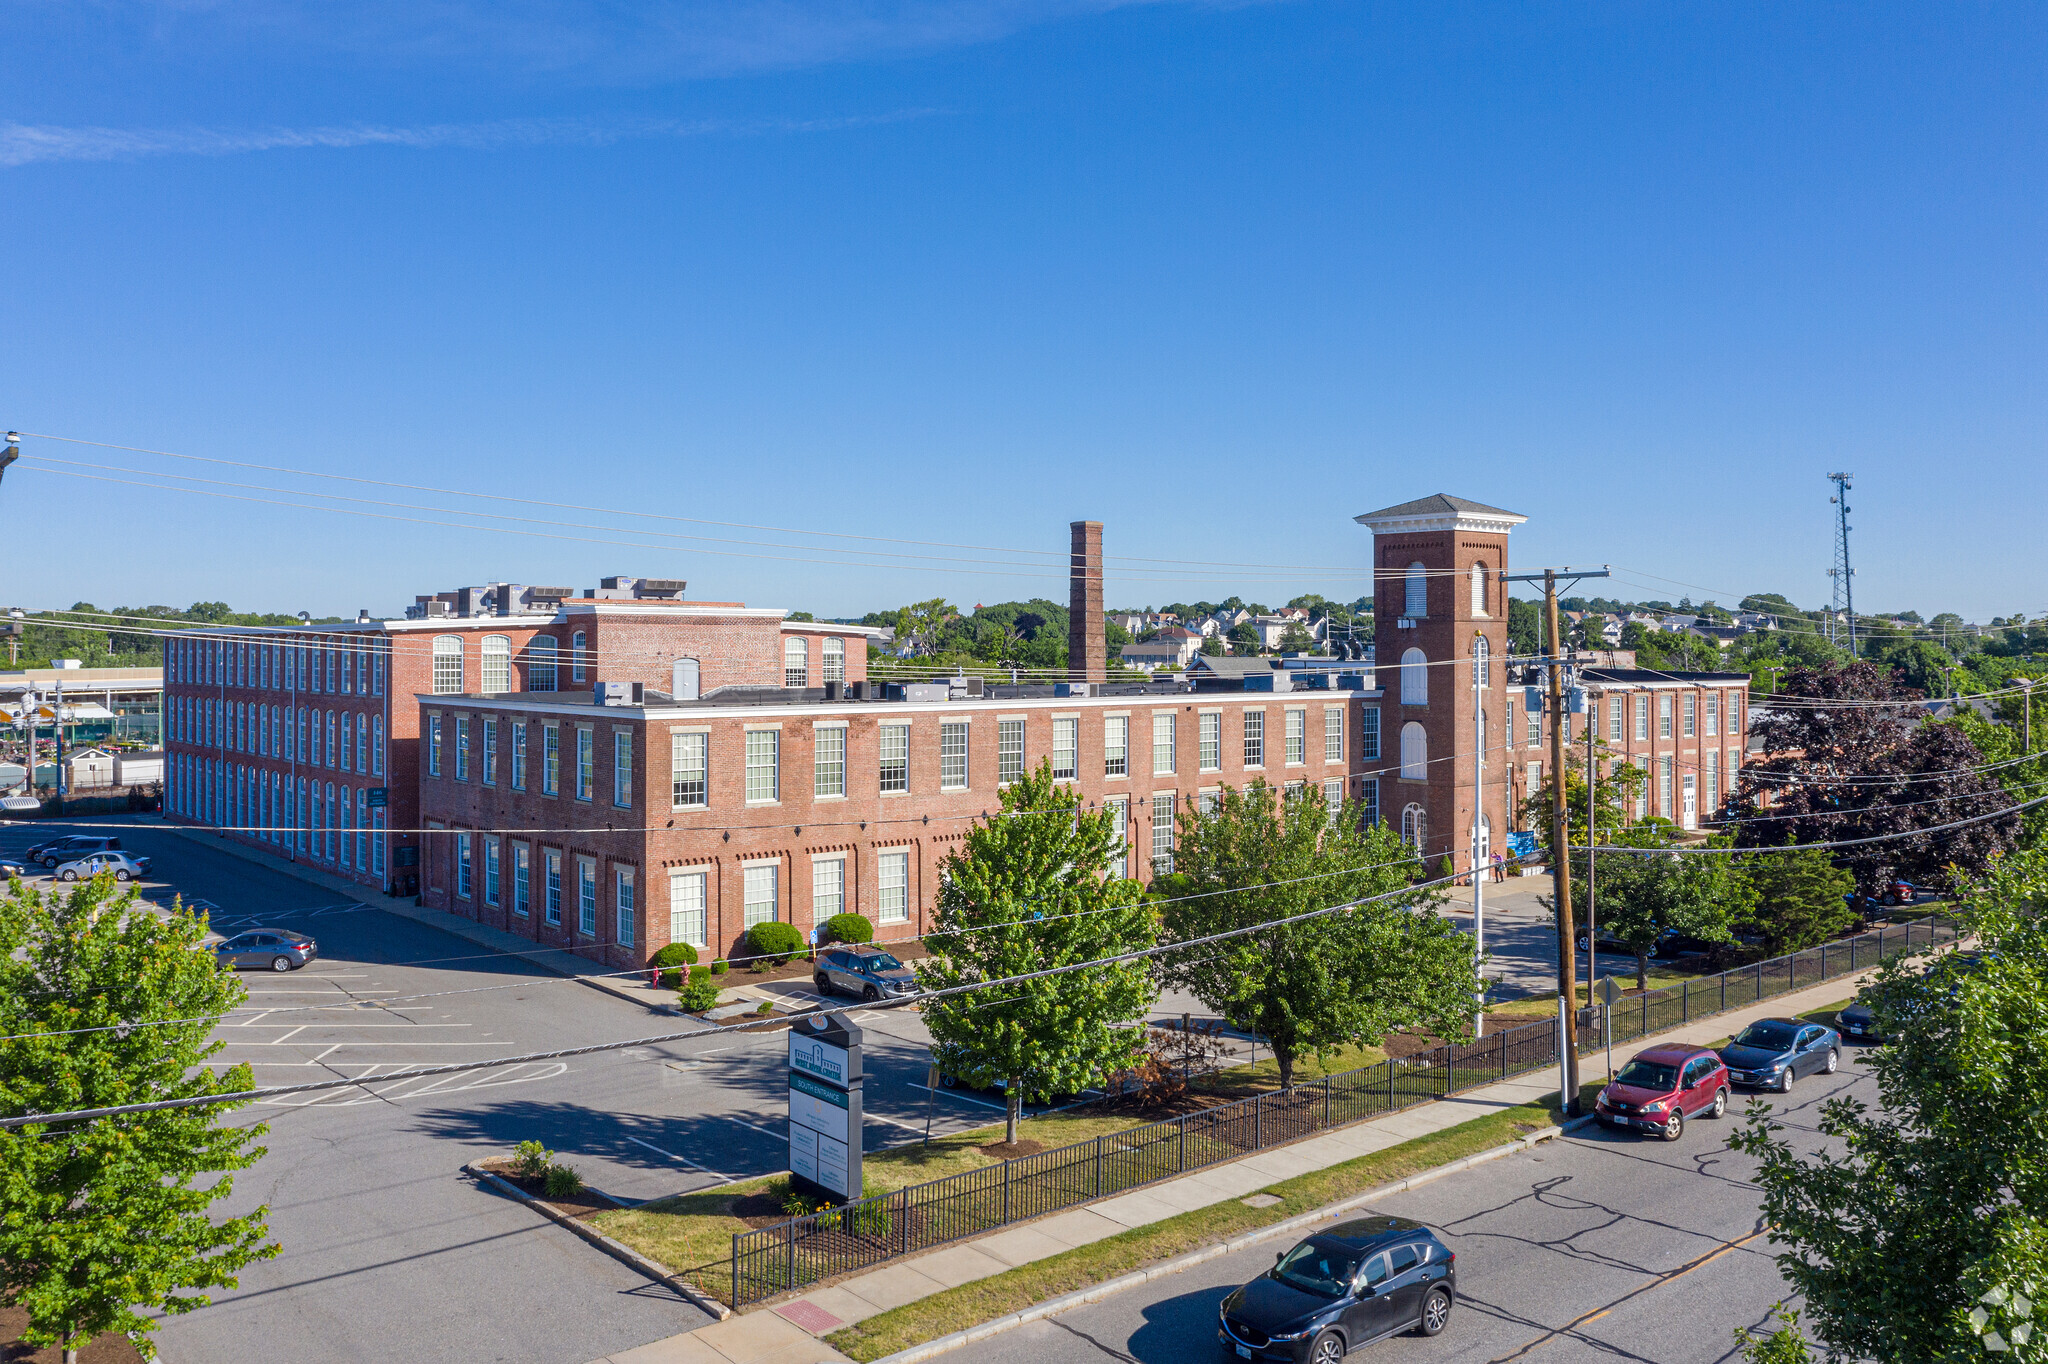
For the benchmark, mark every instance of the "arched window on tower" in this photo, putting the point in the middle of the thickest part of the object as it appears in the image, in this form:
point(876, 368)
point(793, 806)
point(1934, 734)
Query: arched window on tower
point(1417, 605)
point(1414, 753)
point(1414, 678)
point(1413, 826)
point(1482, 660)
point(1479, 589)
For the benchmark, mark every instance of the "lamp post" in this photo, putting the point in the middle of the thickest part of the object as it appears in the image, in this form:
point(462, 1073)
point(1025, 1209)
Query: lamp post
point(1480, 664)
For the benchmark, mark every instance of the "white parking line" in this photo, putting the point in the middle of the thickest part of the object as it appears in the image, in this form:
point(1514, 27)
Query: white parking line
point(680, 1160)
point(956, 1094)
point(779, 1136)
point(906, 1126)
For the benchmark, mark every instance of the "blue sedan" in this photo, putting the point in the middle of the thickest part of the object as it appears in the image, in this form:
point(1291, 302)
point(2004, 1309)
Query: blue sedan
point(1773, 1052)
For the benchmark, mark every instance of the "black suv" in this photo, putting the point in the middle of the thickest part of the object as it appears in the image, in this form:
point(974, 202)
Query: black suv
point(868, 972)
point(1351, 1285)
point(71, 847)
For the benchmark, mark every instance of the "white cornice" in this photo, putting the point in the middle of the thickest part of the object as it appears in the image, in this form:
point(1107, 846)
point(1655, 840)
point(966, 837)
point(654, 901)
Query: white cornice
point(1451, 521)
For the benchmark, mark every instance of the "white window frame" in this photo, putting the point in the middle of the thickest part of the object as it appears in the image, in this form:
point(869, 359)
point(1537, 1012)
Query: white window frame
point(764, 766)
point(1209, 741)
point(796, 662)
point(892, 884)
point(1009, 750)
point(495, 678)
point(622, 769)
point(1165, 746)
point(1414, 752)
point(1333, 734)
point(761, 892)
point(953, 744)
point(1116, 745)
point(828, 761)
point(586, 896)
point(688, 906)
point(447, 671)
point(892, 763)
point(689, 769)
point(625, 905)
point(828, 886)
point(1295, 729)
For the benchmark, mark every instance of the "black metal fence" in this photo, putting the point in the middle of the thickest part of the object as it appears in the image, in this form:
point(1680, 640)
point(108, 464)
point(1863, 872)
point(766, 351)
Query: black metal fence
point(804, 1250)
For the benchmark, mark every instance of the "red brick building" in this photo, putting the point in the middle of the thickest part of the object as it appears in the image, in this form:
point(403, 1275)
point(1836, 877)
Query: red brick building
point(1688, 731)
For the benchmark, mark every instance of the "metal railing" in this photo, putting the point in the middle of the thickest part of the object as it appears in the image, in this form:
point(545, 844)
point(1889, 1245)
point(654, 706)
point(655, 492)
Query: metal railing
point(804, 1250)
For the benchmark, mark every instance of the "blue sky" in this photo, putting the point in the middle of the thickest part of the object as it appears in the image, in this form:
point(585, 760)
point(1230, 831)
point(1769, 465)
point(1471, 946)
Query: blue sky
point(1218, 275)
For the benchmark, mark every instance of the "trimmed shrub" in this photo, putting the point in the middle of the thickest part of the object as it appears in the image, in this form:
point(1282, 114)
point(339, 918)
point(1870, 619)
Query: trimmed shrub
point(776, 940)
point(849, 928)
point(767, 1007)
point(530, 1159)
point(700, 973)
point(562, 1182)
point(671, 960)
point(720, 966)
point(698, 996)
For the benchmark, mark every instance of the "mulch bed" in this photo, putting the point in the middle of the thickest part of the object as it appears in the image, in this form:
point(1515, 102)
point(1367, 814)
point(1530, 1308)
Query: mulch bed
point(106, 1349)
point(758, 1210)
point(586, 1204)
point(1010, 1150)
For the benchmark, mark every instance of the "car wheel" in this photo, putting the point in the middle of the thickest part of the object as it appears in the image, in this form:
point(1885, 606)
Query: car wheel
point(1674, 1126)
point(1436, 1312)
point(69, 876)
point(1785, 1080)
point(1834, 1062)
point(870, 994)
point(1328, 1348)
point(122, 876)
point(1720, 1102)
point(947, 1081)
point(280, 963)
point(822, 986)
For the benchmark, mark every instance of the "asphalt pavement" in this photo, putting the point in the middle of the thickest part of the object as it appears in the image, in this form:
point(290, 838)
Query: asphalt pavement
point(1597, 1246)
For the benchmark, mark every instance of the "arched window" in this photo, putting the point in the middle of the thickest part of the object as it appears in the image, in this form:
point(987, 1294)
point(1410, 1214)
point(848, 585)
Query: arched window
point(1418, 592)
point(447, 664)
point(579, 655)
point(683, 683)
point(1482, 660)
point(541, 652)
point(796, 662)
point(497, 664)
point(1479, 589)
point(1414, 753)
point(1414, 678)
point(835, 661)
point(1414, 826)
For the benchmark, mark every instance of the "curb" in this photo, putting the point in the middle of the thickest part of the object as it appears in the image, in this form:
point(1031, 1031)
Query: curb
point(618, 1250)
point(1275, 1231)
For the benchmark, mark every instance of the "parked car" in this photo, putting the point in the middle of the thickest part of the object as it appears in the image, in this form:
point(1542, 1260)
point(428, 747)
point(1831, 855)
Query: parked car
point(1859, 1019)
point(71, 847)
point(278, 950)
point(124, 867)
point(12, 866)
point(1661, 1087)
point(1773, 1052)
point(867, 972)
point(1351, 1285)
point(1900, 892)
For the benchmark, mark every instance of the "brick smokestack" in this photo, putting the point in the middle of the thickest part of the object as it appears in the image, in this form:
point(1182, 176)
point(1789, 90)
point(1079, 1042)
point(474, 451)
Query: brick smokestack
point(1087, 647)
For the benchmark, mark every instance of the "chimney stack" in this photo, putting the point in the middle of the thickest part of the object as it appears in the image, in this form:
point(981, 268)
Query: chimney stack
point(1087, 648)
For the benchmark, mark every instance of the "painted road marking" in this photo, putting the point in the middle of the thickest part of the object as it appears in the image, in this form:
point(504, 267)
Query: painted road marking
point(766, 1132)
point(680, 1160)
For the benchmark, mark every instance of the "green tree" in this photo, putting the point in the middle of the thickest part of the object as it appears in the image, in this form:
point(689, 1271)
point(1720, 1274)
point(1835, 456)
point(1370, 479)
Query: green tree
point(1525, 627)
point(1800, 899)
point(100, 1218)
point(1641, 891)
point(1295, 639)
point(1212, 646)
point(1245, 639)
point(1026, 892)
point(1614, 796)
point(1785, 1345)
point(1919, 1231)
point(920, 624)
point(1348, 977)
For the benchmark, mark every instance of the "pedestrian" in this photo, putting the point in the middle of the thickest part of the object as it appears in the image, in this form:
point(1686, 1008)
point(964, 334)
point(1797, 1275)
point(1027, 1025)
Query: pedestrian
point(1500, 868)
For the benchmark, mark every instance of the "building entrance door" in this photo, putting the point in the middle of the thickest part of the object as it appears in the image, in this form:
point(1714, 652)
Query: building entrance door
point(1692, 802)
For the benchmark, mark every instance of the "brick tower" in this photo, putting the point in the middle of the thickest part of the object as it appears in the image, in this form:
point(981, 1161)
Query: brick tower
point(1438, 606)
point(1087, 646)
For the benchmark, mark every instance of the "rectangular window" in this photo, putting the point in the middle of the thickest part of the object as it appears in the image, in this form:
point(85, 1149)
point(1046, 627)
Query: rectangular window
point(586, 762)
point(1255, 738)
point(1116, 746)
point(1535, 734)
point(764, 765)
point(1664, 786)
point(518, 755)
point(686, 907)
point(330, 759)
point(1614, 719)
point(1297, 737)
point(522, 880)
point(586, 897)
point(1664, 715)
point(1162, 743)
point(953, 756)
point(490, 725)
point(1713, 781)
point(1333, 797)
point(491, 869)
point(828, 888)
point(1369, 731)
point(1009, 751)
point(433, 745)
point(689, 769)
point(1120, 827)
point(462, 748)
point(550, 759)
point(1712, 718)
point(1209, 741)
point(1691, 717)
point(893, 870)
point(1728, 772)
point(622, 769)
point(1066, 749)
point(1369, 801)
point(624, 903)
point(362, 742)
point(1162, 833)
point(828, 747)
point(1333, 735)
point(462, 868)
point(1642, 709)
point(1734, 712)
point(895, 761)
point(761, 898)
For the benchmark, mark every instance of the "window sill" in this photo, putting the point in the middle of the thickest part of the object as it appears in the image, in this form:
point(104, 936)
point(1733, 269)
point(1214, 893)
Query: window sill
point(836, 795)
point(763, 804)
point(688, 809)
point(952, 790)
point(894, 795)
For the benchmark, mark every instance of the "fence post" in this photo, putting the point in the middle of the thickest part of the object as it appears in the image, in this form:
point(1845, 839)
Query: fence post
point(1724, 982)
point(1685, 1001)
point(1182, 1126)
point(735, 1271)
point(791, 1284)
point(1759, 982)
point(1502, 1035)
point(1006, 1189)
point(1259, 1122)
point(1791, 972)
point(1389, 1064)
point(1098, 1167)
point(1326, 1102)
point(1646, 1013)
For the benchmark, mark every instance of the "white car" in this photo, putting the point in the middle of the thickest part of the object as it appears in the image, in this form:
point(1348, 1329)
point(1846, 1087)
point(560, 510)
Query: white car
point(122, 865)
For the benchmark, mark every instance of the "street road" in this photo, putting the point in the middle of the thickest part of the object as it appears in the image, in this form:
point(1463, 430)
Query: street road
point(1600, 1246)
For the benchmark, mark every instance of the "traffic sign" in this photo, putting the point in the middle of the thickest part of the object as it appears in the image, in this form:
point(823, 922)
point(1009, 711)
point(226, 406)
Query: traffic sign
point(1607, 991)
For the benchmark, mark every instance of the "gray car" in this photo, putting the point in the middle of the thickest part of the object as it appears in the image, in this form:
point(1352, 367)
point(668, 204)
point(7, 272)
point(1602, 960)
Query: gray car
point(267, 947)
point(868, 972)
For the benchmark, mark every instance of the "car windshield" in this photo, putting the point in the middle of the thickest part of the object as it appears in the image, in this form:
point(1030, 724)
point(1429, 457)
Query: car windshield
point(1313, 1269)
point(1648, 1075)
point(1769, 1036)
point(882, 961)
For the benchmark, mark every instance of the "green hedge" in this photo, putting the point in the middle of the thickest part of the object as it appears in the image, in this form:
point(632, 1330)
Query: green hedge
point(849, 928)
point(671, 959)
point(698, 996)
point(775, 939)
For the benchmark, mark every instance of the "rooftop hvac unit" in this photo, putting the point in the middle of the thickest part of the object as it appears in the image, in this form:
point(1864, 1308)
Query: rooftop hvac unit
point(1074, 689)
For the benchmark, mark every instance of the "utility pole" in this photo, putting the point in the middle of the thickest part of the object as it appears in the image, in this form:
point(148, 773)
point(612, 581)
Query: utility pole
point(2027, 699)
point(1479, 852)
point(1592, 840)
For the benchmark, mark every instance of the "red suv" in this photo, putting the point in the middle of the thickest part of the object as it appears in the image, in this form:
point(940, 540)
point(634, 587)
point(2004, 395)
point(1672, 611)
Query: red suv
point(1662, 1087)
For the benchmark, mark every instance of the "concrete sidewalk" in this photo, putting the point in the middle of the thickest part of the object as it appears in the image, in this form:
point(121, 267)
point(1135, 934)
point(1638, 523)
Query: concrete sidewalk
point(788, 1332)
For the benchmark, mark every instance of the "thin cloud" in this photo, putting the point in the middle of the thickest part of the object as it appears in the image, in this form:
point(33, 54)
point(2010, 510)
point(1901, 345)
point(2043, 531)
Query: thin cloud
point(23, 144)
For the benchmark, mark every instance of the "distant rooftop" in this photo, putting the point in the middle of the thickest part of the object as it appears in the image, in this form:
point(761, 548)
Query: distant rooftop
point(1437, 504)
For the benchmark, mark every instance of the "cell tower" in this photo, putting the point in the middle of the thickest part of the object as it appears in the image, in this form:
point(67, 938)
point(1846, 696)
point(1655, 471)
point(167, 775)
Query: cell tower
point(1842, 615)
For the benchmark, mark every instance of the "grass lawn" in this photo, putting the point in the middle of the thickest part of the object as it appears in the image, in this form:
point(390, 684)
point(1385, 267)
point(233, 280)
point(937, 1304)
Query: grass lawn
point(958, 1308)
point(691, 1229)
point(1241, 1082)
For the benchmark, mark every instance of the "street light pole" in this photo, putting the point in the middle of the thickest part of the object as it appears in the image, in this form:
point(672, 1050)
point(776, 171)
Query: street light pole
point(1478, 814)
point(1592, 840)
